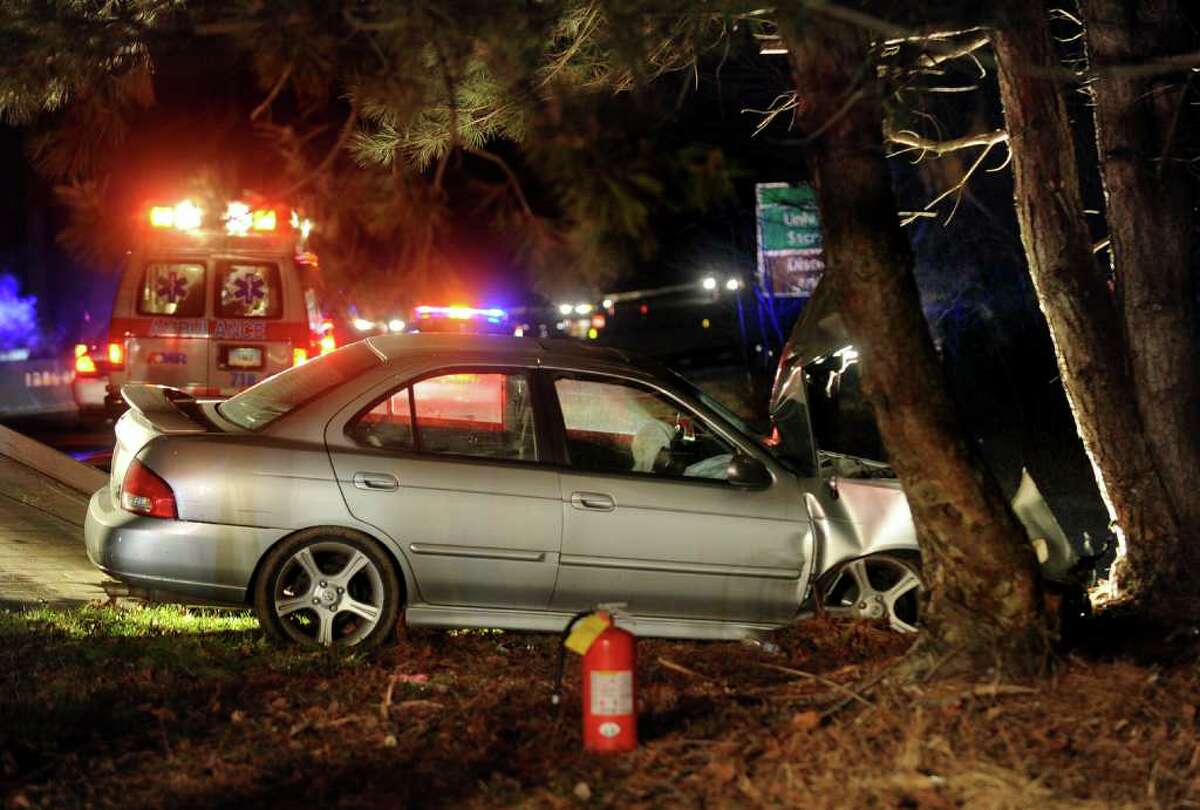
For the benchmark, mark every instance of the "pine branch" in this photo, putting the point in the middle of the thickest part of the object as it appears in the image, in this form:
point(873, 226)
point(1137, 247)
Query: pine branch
point(330, 156)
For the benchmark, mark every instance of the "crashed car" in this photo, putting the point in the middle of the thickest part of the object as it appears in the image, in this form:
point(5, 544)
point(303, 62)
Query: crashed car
point(489, 481)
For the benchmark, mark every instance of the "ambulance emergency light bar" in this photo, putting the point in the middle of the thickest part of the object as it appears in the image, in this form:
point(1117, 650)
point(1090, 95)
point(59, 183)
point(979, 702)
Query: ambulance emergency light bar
point(239, 218)
point(493, 314)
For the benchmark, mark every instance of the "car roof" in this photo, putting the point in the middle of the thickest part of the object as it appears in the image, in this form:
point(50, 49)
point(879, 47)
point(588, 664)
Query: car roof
point(506, 349)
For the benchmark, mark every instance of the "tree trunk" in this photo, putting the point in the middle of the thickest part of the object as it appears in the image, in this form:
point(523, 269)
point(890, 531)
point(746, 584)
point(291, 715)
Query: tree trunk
point(983, 607)
point(1149, 207)
point(1072, 293)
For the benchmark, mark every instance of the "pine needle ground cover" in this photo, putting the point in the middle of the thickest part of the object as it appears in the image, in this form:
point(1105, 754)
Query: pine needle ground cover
point(139, 707)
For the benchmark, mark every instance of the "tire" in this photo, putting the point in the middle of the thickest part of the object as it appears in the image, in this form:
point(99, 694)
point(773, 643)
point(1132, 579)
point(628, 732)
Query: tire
point(884, 587)
point(328, 587)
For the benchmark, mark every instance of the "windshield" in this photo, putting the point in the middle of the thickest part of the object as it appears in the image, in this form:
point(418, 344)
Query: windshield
point(261, 404)
point(794, 458)
point(723, 411)
point(720, 408)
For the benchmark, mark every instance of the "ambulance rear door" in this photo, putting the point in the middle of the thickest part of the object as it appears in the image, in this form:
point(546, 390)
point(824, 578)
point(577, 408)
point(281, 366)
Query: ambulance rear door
point(258, 318)
point(163, 322)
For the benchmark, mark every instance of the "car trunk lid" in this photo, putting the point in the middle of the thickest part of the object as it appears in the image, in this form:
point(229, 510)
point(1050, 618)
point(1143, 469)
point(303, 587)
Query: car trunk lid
point(154, 410)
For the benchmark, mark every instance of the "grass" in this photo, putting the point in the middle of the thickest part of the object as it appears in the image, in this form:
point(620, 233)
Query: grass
point(150, 707)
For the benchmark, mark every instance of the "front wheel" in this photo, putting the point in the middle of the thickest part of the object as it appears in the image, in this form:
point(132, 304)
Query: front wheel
point(328, 588)
point(880, 586)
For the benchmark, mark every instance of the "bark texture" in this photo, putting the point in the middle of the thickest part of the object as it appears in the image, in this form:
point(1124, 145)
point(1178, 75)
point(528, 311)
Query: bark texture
point(983, 609)
point(1074, 296)
point(1149, 202)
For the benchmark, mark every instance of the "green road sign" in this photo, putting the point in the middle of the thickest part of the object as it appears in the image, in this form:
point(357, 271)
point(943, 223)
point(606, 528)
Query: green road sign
point(790, 260)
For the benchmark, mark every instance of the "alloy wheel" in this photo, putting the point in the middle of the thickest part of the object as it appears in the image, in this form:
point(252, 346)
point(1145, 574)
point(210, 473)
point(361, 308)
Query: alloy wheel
point(327, 593)
point(878, 587)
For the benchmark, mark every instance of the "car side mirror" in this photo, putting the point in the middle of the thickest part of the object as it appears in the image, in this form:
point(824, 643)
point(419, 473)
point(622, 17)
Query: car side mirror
point(744, 471)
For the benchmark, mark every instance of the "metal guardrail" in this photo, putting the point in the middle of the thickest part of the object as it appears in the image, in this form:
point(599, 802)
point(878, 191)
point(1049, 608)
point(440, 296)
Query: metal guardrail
point(36, 387)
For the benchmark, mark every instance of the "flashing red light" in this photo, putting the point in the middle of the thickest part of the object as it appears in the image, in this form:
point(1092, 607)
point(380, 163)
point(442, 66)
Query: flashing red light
point(299, 356)
point(328, 343)
point(183, 216)
point(144, 493)
point(645, 309)
point(162, 216)
point(85, 366)
point(116, 355)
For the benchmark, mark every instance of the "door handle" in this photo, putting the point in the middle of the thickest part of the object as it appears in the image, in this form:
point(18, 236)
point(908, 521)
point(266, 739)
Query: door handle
point(376, 482)
point(593, 501)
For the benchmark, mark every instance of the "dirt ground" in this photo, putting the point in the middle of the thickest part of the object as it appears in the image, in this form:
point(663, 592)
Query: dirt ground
point(143, 708)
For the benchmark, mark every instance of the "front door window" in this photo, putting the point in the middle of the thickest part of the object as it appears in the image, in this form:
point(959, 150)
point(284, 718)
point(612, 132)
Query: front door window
point(619, 427)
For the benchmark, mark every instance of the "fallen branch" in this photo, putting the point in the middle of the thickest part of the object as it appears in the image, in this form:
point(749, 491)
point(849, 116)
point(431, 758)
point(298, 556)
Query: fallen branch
point(825, 681)
point(419, 703)
point(681, 669)
point(385, 705)
point(998, 689)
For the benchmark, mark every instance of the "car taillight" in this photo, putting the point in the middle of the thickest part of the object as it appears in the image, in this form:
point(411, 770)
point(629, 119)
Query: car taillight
point(299, 356)
point(144, 493)
point(116, 355)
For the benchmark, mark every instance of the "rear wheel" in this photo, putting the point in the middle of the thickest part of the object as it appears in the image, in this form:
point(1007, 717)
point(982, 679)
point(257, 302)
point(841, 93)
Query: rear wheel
point(880, 586)
point(328, 588)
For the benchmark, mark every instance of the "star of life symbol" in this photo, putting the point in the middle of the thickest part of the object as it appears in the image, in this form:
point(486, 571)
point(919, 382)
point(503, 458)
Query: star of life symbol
point(250, 289)
point(172, 288)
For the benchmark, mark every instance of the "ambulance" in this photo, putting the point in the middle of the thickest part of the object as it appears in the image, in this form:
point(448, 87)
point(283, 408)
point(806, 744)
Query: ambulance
point(209, 303)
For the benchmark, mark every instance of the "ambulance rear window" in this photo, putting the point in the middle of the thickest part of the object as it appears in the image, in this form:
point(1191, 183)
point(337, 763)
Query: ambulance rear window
point(248, 290)
point(172, 288)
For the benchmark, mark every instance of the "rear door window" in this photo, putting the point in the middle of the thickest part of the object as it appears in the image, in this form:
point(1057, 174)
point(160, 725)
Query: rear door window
point(248, 290)
point(172, 288)
point(388, 425)
point(480, 415)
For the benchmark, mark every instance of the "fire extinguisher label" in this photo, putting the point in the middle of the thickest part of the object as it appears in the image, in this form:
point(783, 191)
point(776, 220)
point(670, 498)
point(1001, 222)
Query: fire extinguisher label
point(612, 692)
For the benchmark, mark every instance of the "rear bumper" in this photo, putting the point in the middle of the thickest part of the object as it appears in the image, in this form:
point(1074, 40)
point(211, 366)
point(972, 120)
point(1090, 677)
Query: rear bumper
point(174, 558)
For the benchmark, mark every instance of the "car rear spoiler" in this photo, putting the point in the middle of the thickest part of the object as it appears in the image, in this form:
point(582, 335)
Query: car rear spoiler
point(160, 406)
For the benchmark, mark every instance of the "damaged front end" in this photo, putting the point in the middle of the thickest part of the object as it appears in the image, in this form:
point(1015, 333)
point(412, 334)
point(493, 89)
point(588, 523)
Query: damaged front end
point(858, 508)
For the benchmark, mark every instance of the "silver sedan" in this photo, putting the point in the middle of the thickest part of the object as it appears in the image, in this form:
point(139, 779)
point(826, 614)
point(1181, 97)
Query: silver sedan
point(490, 482)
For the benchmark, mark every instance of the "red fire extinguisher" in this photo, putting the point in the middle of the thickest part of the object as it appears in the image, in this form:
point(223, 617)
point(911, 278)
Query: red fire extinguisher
point(609, 682)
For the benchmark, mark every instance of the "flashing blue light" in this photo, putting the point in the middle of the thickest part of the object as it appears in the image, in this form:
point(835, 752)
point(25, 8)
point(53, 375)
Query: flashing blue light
point(463, 313)
point(18, 316)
